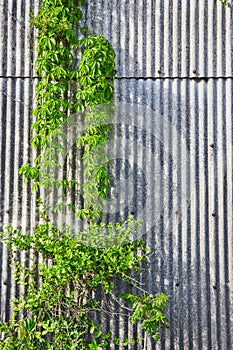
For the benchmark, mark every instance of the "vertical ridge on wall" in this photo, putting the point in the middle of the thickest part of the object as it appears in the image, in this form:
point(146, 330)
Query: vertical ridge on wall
point(229, 202)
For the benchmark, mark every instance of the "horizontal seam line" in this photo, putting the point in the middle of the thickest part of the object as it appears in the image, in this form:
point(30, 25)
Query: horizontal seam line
point(191, 77)
point(125, 77)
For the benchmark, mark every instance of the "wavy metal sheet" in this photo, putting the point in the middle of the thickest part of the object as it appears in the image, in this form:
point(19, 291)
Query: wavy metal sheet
point(17, 204)
point(174, 142)
point(165, 38)
point(192, 259)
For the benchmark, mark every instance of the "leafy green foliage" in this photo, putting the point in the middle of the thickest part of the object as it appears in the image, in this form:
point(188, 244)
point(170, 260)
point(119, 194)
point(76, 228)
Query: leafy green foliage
point(96, 70)
point(66, 88)
point(59, 306)
point(95, 161)
point(57, 309)
point(150, 310)
point(56, 40)
point(226, 3)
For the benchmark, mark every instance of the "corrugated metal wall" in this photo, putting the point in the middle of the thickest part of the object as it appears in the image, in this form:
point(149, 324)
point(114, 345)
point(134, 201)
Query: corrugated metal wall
point(17, 88)
point(174, 84)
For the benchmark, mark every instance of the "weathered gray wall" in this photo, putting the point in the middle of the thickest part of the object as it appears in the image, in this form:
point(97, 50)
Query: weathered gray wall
point(174, 74)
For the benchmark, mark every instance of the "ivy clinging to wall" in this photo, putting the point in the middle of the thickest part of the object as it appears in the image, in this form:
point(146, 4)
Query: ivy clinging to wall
point(58, 312)
point(59, 71)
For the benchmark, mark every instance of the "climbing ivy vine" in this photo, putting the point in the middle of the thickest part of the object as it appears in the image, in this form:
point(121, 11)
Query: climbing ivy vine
point(58, 310)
